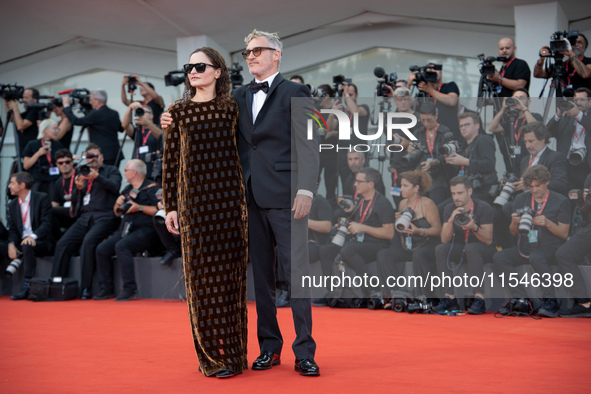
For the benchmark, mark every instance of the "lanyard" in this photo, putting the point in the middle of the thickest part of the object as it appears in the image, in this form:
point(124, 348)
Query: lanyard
point(467, 232)
point(543, 205)
point(144, 141)
point(48, 154)
point(71, 182)
point(515, 128)
point(89, 185)
point(439, 90)
point(568, 77)
point(24, 216)
point(369, 205)
point(394, 177)
point(578, 137)
point(430, 146)
point(504, 68)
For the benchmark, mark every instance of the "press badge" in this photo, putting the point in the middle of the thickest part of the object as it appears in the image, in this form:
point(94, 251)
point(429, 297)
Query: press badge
point(461, 173)
point(67, 204)
point(54, 171)
point(86, 199)
point(395, 191)
point(499, 88)
point(517, 150)
point(360, 236)
point(532, 235)
point(409, 243)
point(143, 149)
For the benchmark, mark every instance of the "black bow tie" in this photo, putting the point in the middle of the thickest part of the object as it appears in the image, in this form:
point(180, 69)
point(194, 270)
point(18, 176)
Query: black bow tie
point(255, 87)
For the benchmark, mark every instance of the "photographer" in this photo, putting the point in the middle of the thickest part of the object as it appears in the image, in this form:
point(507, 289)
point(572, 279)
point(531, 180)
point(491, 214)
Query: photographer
point(402, 100)
point(467, 238)
point(151, 98)
point(444, 95)
point(514, 74)
point(570, 126)
point(25, 122)
point(513, 115)
point(417, 234)
point(577, 68)
point(541, 226)
point(39, 157)
point(372, 227)
point(137, 203)
point(61, 192)
point(29, 227)
point(66, 130)
point(476, 159)
point(147, 143)
point(569, 255)
point(431, 137)
point(329, 157)
point(97, 188)
point(103, 124)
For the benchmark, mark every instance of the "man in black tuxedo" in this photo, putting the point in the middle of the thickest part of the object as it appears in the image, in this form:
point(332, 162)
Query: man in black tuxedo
point(572, 130)
point(29, 227)
point(280, 170)
point(103, 124)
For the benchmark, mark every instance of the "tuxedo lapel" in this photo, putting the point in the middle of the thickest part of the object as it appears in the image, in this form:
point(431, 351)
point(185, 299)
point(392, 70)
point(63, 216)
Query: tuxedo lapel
point(269, 99)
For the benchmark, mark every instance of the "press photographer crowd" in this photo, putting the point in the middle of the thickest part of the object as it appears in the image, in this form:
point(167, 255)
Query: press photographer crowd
point(433, 198)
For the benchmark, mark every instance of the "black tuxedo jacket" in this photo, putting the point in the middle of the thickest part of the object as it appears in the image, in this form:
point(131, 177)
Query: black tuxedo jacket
point(276, 162)
point(555, 162)
point(41, 217)
point(563, 131)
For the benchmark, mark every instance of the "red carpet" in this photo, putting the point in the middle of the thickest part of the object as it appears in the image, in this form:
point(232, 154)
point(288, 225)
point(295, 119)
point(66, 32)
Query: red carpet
point(144, 346)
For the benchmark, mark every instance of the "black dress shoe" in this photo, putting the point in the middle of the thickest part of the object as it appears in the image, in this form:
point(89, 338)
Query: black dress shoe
point(86, 295)
point(104, 294)
point(224, 374)
point(283, 299)
point(266, 360)
point(169, 256)
point(126, 295)
point(21, 295)
point(307, 367)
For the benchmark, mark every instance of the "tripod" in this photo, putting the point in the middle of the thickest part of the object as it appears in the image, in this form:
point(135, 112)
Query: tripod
point(17, 144)
point(487, 92)
point(131, 88)
point(558, 72)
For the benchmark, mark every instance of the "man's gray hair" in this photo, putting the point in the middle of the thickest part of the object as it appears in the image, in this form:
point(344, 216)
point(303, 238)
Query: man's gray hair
point(401, 92)
point(100, 95)
point(272, 38)
point(139, 166)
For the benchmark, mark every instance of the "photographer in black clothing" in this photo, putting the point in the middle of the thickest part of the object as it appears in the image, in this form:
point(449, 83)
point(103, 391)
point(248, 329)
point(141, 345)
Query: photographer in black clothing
point(467, 238)
point(103, 124)
point(571, 126)
point(541, 226)
point(26, 122)
point(151, 98)
point(476, 157)
point(507, 125)
point(571, 254)
point(39, 157)
point(92, 203)
point(137, 205)
point(514, 74)
point(146, 135)
point(61, 192)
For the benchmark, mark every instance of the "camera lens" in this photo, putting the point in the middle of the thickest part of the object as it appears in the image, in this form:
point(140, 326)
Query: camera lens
point(403, 221)
point(525, 224)
point(140, 112)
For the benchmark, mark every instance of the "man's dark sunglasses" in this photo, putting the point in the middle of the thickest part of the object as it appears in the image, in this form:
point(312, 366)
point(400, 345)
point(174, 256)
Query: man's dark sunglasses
point(59, 163)
point(199, 67)
point(257, 51)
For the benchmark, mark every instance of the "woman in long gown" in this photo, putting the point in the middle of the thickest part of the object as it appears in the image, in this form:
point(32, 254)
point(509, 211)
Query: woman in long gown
point(204, 194)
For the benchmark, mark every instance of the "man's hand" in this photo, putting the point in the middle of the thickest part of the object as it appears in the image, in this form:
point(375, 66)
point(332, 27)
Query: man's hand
point(66, 100)
point(573, 111)
point(29, 241)
point(13, 105)
point(355, 228)
point(545, 51)
point(496, 77)
point(519, 186)
point(457, 160)
point(79, 180)
point(12, 252)
point(301, 206)
point(540, 221)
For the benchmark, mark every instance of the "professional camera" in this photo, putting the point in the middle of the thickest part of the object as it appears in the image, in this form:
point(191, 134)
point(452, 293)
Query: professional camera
point(476, 181)
point(128, 199)
point(174, 78)
point(236, 78)
point(463, 218)
point(406, 216)
point(419, 306)
point(140, 112)
point(507, 190)
point(423, 75)
point(131, 83)
point(415, 157)
point(13, 267)
point(565, 103)
point(348, 203)
point(81, 98)
point(576, 195)
point(42, 108)
point(315, 92)
point(557, 42)
point(450, 148)
point(576, 156)
point(342, 234)
point(156, 159)
point(487, 67)
point(385, 81)
point(527, 216)
point(11, 91)
point(338, 80)
point(82, 167)
point(375, 302)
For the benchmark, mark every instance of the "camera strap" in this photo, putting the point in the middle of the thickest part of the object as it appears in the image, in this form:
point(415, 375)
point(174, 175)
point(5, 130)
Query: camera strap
point(467, 232)
point(368, 209)
point(48, 153)
point(504, 68)
point(431, 145)
point(71, 183)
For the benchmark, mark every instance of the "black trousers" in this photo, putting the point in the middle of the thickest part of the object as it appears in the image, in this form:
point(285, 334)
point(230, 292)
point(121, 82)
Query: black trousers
point(473, 256)
point(30, 253)
point(329, 162)
point(170, 241)
point(124, 248)
point(84, 236)
point(265, 228)
point(540, 259)
point(570, 255)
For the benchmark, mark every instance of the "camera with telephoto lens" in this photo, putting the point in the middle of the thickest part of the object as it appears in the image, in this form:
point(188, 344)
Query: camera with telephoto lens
point(174, 78)
point(450, 148)
point(236, 77)
point(127, 200)
point(423, 75)
point(139, 112)
point(557, 42)
point(403, 222)
point(527, 217)
point(11, 91)
point(415, 157)
point(131, 83)
point(419, 306)
point(486, 66)
point(342, 234)
point(503, 194)
point(82, 167)
point(476, 181)
point(463, 218)
point(577, 156)
point(81, 98)
point(384, 80)
point(13, 267)
point(315, 92)
point(565, 103)
point(348, 203)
